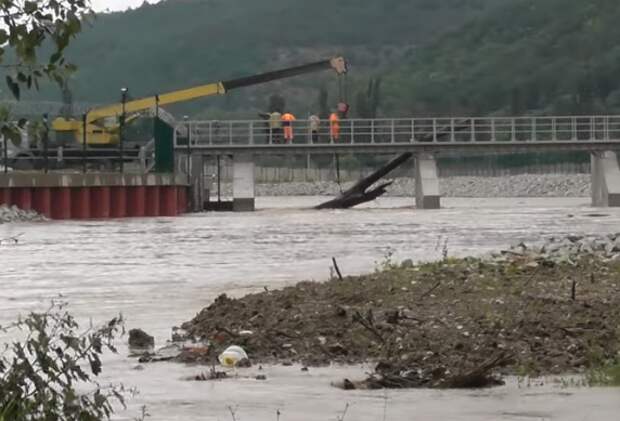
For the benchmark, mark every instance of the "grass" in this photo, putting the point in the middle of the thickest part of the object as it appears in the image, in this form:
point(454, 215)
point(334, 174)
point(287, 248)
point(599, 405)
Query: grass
point(607, 376)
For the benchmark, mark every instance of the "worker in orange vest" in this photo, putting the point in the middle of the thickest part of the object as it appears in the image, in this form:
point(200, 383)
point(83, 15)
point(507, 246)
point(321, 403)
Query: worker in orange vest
point(287, 122)
point(334, 126)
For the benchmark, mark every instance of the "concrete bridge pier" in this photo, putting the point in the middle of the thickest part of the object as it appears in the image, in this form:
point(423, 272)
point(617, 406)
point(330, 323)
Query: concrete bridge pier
point(243, 183)
point(605, 179)
point(196, 175)
point(426, 182)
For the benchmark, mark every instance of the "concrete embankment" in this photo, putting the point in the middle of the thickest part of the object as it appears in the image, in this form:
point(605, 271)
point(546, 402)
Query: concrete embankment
point(524, 185)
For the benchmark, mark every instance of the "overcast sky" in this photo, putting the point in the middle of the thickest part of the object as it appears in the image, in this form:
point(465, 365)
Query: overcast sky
point(100, 5)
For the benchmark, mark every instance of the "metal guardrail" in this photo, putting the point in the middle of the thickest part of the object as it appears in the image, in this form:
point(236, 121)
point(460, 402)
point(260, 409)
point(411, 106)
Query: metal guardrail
point(504, 130)
point(63, 158)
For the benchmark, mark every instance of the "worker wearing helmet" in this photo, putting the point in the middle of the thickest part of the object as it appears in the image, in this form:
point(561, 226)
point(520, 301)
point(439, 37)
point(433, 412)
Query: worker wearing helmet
point(334, 126)
point(287, 123)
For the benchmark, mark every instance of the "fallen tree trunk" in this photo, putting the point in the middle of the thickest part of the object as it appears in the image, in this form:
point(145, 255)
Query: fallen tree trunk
point(358, 194)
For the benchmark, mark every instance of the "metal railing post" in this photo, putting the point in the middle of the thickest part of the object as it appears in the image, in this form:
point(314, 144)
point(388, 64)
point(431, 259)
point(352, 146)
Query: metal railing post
point(434, 130)
point(352, 131)
point(452, 138)
point(574, 128)
point(493, 130)
point(554, 129)
point(606, 127)
point(412, 130)
point(210, 142)
point(513, 130)
point(230, 136)
point(45, 144)
point(473, 130)
point(5, 153)
point(393, 135)
point(533, 129)
point(251, 132)
point(372, 131)
point(121, 140)
point(189, 153)
point(592, 129)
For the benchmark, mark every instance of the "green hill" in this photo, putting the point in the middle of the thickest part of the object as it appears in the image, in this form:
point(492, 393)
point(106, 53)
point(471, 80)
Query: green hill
point(543, 56)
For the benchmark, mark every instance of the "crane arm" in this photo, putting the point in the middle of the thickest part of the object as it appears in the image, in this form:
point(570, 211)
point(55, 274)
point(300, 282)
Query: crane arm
point(218, 88)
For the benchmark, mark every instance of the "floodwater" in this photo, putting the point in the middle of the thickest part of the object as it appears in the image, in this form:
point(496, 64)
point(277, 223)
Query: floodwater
point(160, 272)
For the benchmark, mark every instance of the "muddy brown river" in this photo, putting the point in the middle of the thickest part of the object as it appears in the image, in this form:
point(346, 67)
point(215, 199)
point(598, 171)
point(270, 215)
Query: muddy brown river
point(160, 272)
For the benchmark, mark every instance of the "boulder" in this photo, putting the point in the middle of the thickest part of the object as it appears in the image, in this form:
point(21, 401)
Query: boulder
point(140, 339)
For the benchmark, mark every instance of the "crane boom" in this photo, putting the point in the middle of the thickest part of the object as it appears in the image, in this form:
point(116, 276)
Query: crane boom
point(218, 88)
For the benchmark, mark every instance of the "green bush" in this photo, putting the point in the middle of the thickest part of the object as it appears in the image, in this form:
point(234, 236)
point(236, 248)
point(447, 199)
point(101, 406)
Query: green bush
point(50, 372)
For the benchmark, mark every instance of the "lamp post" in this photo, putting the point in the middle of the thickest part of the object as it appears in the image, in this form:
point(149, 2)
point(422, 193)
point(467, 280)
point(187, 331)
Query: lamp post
point(189, 148)
point(45, 143)
point(121, 128)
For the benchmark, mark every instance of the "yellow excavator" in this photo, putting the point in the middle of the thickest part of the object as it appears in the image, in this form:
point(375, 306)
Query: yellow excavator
point(102, 124)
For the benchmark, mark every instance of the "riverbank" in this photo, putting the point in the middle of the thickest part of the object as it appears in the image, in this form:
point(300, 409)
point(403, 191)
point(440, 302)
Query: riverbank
point(524, 185)
point(547, 310)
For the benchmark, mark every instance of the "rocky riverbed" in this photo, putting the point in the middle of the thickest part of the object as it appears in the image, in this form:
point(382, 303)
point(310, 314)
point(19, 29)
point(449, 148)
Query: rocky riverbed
point(525, 185)
point(15, 214)
point(553, 308)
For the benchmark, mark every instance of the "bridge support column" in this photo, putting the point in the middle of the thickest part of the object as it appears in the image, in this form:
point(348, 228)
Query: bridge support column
point(243, 183)
point(196, 191)
point(426, 182)
point(605, 179)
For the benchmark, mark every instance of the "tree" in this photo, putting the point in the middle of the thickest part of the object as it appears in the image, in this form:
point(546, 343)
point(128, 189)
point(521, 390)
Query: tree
point(50, 373)
point(324, 104)
point(367, 103)
point(276, 103)
point(28, 28)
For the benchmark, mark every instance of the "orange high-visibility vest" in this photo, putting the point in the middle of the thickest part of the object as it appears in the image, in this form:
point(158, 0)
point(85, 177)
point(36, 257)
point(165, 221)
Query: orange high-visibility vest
point(334, 126)
point(288, 119)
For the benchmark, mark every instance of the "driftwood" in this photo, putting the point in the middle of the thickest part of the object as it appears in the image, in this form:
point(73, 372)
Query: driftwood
point(397, 376)
point(359, 193)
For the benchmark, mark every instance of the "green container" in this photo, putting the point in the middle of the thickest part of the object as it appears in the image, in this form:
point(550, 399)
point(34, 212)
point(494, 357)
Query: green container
point(164, 147)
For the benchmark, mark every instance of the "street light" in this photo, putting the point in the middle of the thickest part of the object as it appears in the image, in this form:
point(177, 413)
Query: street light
point(124, 92)
point(46, 142)
point(189, 148)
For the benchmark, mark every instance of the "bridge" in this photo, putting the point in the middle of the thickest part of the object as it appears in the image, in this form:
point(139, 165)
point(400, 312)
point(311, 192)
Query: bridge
point(425, 137)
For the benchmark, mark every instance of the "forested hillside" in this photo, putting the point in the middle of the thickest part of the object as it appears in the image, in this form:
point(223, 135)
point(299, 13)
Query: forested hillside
point(542, 56)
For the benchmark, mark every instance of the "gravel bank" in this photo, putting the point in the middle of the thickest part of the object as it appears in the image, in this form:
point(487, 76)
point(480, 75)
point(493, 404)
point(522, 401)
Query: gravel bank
point(525, 185)
point(14, 214)
point(537, 310)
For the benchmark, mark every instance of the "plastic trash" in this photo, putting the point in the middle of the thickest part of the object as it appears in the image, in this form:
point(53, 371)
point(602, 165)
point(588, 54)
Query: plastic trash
point(232, 356)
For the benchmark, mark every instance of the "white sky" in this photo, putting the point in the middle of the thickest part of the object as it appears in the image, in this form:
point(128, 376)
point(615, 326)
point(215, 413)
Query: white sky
point(100, 5)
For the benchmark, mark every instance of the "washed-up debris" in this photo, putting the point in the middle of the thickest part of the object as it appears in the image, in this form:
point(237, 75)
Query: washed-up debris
point(10, 214)
point(436, 324)
point(210, 375)
point(233, 356)
point(139, 339)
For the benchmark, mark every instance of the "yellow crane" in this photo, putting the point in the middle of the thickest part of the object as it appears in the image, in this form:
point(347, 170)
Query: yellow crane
point(99, 131)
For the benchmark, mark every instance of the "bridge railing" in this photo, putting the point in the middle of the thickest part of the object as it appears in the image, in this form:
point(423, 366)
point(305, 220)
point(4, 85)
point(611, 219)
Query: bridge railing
point(401, 131)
